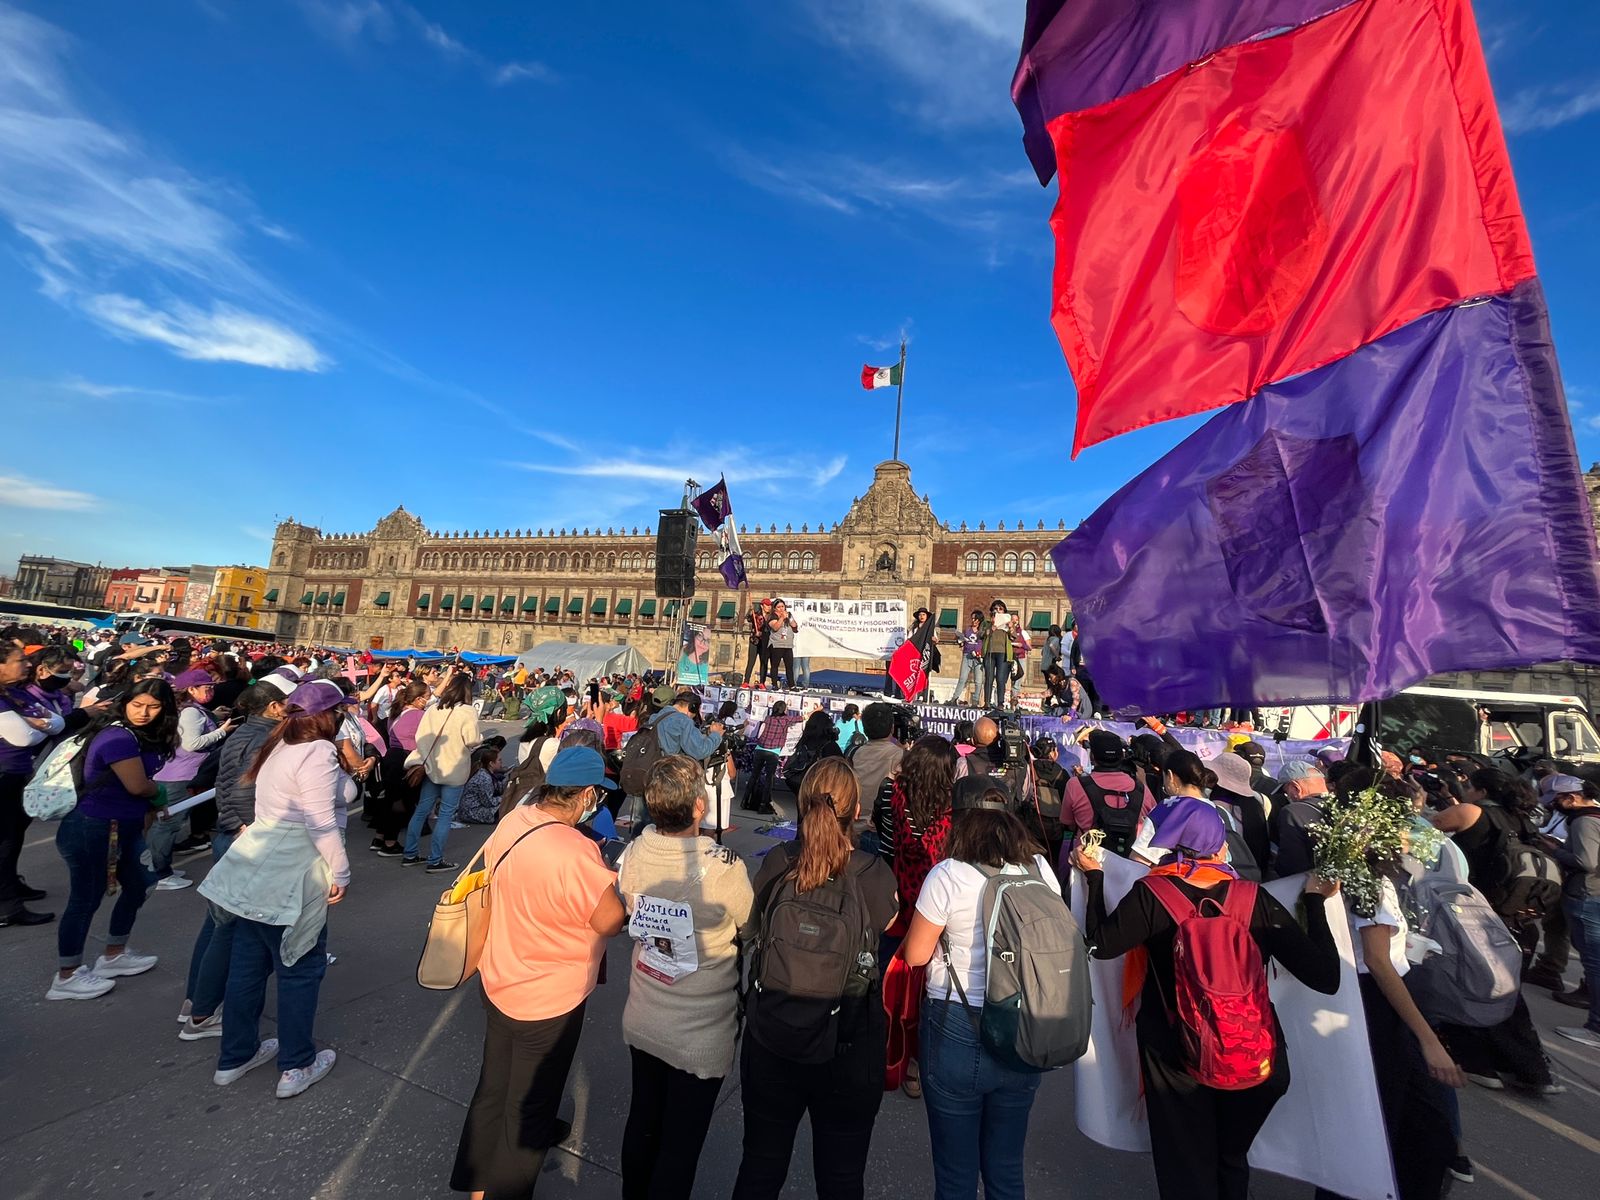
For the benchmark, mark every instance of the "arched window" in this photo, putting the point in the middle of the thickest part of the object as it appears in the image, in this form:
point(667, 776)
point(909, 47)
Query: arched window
point(794, 560)
point(988, 563)
point(970, 563)
point(1010, 561)
point(650, 561)
point(281, 559)
point(761, 561)
point(1030, 563)
point(808, 561)
point(611, 562)
point(1049, 565)
point(861, 563)
point(704, 562)
point(391, 562)
point(538, 562)
point(588, 562)
point(561, 563)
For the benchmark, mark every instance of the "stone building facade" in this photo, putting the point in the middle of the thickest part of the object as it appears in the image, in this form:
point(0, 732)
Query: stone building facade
point(402, 586)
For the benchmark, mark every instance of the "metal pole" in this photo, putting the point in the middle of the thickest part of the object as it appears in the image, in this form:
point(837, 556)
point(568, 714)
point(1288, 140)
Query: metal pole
point(899, 396)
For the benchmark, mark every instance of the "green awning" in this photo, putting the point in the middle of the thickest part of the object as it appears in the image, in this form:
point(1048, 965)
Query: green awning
point(466, 601)
point(448, 600)
point(697, 610)
point(553, 604)
point(272, 596)
point(307, 598)
point(624, 606)
point(422, 600)
point(948, 617)
point(1041, 621)
point(598, 608)
point(508, 604)
point(486, 603)
point(322, 597)
point(575, 605)
point(383, 600)
point(726, 610)
point(530, 604)
point(647, 608)
point(671, 610)
point(338, 597)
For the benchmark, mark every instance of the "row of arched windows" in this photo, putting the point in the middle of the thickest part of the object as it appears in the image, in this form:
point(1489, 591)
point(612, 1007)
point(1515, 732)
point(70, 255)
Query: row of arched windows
point(772, 561)
point(334, 560)
point(1011, 563)
point(563, 561)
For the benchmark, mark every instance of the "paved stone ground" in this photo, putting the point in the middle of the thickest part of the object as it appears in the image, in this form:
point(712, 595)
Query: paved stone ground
point(101, 1098)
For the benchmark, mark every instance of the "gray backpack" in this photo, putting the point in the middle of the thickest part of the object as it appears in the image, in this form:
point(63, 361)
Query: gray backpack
point(1475, 977)
point(1037, 1002)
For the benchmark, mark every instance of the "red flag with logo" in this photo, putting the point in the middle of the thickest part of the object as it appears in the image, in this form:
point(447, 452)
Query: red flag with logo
point(908, 670)
point(1273, 207)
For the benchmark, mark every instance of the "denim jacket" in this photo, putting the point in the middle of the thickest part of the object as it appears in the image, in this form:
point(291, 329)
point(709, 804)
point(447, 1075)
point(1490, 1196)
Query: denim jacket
point(273, 874)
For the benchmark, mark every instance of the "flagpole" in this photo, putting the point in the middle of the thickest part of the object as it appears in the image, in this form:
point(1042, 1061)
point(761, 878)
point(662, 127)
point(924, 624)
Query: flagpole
point(899, 397)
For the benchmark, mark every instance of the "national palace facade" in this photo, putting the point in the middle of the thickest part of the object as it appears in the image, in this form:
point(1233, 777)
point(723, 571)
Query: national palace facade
point(403, 586)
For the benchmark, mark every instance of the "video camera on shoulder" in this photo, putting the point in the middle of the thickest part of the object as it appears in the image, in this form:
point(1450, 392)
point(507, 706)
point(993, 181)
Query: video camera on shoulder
point(907, 724)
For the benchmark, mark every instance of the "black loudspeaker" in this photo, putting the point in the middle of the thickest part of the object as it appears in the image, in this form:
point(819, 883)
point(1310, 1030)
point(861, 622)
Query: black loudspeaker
point(675, 542)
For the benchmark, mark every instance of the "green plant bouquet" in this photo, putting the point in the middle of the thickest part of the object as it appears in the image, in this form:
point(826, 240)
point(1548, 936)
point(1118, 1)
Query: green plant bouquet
point(1365, 828)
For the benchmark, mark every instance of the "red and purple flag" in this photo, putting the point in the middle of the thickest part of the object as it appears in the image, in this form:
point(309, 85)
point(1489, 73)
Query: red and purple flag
point(1416, 507)
point(1274, 206)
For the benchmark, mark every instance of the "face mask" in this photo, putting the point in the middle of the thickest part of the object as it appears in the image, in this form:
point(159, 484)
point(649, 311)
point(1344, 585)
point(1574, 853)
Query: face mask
point(54, 683)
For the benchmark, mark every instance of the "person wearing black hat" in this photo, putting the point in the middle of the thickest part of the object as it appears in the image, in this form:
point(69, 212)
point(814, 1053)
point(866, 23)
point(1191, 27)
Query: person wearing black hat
point(1109, 796)
point(924, 636)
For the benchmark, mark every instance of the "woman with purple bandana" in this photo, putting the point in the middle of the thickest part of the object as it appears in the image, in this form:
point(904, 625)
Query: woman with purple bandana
point(198, 735)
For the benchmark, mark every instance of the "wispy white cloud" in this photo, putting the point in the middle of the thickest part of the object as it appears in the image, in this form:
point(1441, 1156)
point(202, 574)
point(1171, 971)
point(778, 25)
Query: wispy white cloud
point(956, 55)
point(741, 465)
point(17, 491)
point(126, 391)
point(106, 219)
point(889, 342)
point(351, 22)
point(1549, 106)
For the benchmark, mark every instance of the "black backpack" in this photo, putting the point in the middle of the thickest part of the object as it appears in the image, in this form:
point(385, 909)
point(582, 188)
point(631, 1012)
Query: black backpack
point(526, 780)
point(813, 964)
point(1527, 882)
point(642, 752)
point(1120, 825)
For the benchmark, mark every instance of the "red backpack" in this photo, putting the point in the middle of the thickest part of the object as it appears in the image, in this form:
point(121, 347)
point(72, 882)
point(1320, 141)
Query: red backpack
point(1220, 981)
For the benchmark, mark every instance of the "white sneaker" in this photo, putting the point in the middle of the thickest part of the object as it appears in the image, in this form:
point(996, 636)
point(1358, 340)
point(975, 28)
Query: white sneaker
point(1580, 1034)
point(267, 1049)
point(82, 984)
point(183, 1013)
point(292, 1083)
point(172, 883)
point(126, 963)
point(180, 874)
point(194, 1031)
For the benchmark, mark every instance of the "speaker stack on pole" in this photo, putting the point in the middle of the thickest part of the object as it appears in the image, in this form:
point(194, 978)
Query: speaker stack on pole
point(676, 536)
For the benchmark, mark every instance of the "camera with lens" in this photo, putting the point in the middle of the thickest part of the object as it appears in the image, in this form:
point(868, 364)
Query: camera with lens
point(907, 724)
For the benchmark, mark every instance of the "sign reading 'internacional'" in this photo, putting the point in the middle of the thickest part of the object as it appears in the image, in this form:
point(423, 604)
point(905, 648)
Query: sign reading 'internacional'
point(848, 628)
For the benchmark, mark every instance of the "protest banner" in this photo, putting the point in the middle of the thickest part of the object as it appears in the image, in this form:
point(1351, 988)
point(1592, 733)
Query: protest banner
point(848, 628)
point(694, 660)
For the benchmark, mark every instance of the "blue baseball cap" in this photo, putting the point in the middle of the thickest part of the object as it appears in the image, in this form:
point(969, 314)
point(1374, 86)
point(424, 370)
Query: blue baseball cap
point(578, 766)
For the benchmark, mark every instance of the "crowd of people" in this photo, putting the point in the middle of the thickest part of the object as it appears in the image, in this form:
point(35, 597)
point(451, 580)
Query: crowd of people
point(861, 955)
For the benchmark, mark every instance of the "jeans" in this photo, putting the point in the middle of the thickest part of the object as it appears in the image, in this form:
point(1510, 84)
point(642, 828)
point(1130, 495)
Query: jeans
point(85, 844)
point(448, 797)
point(971, 672)
point(996, 675)
point(977, 1108)
point(165, 833)
point(668, 1118)
point(1583, 926)
point(257, 954)
point(213, 948)
point(758, 791)
point(802, 671)
point(842, 1097)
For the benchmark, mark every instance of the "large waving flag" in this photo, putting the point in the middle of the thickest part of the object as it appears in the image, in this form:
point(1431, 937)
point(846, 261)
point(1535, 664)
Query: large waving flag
point(1273, 207)
point(1317, 227)
point(716, 511)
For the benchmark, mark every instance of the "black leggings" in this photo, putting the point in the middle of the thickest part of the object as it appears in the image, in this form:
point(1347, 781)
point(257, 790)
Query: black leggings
point(668, 1119)
point(14, 822)
point(780, 656)
point(757, 656)
point(511, 1122)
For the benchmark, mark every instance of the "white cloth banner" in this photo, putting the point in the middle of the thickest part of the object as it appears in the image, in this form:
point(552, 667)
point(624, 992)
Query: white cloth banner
point(848, 628)
point(1327, 1130)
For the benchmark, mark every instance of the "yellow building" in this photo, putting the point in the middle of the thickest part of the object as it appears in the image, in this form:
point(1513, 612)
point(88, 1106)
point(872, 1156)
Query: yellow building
point(236, 597)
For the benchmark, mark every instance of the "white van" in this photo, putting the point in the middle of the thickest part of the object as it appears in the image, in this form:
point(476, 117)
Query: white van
point(1520, 724)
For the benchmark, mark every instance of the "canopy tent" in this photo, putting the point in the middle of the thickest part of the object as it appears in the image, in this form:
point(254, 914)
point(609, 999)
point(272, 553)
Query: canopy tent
point(419, 655)
point(585, 662)
point(487, 660)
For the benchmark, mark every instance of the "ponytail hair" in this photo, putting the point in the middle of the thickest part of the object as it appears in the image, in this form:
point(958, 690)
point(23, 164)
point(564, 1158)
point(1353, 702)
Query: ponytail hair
point(830, 797)
point(294, 731)
point(1185, 766)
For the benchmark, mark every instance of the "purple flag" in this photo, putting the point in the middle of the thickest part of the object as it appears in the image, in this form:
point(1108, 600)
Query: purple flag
point(713, 505)
point(1077, 54)
point(1414, 507)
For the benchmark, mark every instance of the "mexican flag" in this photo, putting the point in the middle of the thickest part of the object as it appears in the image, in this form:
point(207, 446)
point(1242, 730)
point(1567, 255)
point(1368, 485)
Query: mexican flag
point(877, 377)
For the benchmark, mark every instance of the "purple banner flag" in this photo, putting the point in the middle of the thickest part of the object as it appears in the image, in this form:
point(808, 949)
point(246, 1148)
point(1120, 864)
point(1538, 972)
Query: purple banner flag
point(713, 505)
point(1077, 54)
point(1415, 507)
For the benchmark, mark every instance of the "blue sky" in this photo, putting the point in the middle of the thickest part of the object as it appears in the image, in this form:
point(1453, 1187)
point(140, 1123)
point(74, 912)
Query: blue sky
point(523, 266)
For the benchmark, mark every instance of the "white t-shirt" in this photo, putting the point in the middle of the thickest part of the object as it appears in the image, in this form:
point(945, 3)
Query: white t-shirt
point(1389, 914)
point(952, 896)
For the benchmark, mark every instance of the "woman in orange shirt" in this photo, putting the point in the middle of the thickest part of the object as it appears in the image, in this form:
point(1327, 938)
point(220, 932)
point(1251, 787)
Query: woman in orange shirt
point(555, 905)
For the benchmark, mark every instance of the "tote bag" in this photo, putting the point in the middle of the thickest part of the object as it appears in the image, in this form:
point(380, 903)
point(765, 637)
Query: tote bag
point(454, 941)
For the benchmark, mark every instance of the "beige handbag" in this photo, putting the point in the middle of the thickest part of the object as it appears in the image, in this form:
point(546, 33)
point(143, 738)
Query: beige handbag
point(454, 941)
